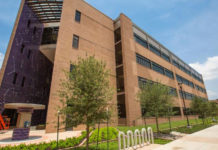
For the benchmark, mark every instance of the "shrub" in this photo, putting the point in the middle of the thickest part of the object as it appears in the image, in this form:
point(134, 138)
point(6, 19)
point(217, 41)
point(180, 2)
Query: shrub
point(69, 142)
point(103, 134)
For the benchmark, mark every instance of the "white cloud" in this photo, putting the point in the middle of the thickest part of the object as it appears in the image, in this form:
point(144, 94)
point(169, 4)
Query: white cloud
point(209, 69)
point(212, 94)
point(1, 59)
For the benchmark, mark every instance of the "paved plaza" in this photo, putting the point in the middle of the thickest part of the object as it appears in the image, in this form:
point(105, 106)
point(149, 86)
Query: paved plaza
point(36, 136)
point(206, 139)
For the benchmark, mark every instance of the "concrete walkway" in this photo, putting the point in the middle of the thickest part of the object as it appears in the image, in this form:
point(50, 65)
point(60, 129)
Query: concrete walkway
point(36, 136)
point(206, 139)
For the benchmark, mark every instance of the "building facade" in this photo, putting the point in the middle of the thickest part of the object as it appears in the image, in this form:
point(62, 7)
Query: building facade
point(49, 35)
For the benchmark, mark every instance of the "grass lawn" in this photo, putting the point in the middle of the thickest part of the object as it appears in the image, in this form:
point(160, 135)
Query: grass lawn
point(194, 128)
point(114, 145)
point(162, 126)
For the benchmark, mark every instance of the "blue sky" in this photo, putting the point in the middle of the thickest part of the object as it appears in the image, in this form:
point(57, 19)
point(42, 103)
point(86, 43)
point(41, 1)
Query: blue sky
point(188, 28)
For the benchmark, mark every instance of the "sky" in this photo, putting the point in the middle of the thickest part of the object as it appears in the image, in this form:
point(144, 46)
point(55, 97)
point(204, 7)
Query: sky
point(189, 28)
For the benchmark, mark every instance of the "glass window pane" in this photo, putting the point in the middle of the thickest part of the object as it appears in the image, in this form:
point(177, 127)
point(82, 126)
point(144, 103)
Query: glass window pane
point(77, 16)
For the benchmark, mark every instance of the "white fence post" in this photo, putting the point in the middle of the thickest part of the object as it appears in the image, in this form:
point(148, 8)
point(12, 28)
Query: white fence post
point(150, 136)
point(137, 137)
point(144, 136)
point(121, 134)
point(132, 144)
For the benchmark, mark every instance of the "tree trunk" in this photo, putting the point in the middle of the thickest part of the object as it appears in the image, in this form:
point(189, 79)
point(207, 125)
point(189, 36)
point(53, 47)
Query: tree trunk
point(87, 137)
point(145, 123)
point(170, 123)
point(157, 124)
point(98, 133)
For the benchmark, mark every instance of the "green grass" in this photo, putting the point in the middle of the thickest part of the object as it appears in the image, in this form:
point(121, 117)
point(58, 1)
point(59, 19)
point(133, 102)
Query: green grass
point(194, 128)
point(103, 134)
point(162, 126)
point(114, 145)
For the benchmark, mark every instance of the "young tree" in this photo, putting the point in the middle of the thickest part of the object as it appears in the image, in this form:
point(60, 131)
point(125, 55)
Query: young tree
point(213, 110)
point(169, 112)
point(200, 107)
point(155, 99)
point(86, 94)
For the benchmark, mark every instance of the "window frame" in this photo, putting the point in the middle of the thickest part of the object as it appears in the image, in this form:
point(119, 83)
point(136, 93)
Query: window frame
point(15, 78)
point(77, 16)
point(75, 41)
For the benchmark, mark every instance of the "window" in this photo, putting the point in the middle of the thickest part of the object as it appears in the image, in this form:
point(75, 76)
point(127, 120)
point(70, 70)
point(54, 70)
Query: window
point(185, 81)
point(77, 16)
point(22, 48)
point(176, 64)
point(169, 74)
point(147, 63)
point(173, 92)
point(28, 23)
point(143, 61)
point(141, 41)
point(164, 56)
point(29, 54)
point(15, 78)
point(154, 50)
point(176, 111)
point(50, 35)
point(72, 67)
point(142, 82)
point(34, 30)
point(157, 68)
point(191, 84)
point(117, 35)
point(75, 41)
point(23, 81)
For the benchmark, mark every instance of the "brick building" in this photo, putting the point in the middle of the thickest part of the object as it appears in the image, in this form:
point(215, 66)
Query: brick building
point(47, 35)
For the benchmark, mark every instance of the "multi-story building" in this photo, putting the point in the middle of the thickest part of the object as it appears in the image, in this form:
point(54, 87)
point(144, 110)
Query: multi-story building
point(48, 35)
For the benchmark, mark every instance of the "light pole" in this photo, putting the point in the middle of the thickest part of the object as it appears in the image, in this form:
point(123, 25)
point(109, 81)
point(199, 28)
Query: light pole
point(58, 129)
point(180, 85)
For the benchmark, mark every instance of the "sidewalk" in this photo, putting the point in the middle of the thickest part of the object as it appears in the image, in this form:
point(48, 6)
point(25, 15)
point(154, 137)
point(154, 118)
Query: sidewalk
point(36, 136)
point(206, 139)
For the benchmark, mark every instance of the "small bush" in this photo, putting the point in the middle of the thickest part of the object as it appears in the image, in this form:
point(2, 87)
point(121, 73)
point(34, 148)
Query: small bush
point(113, 133)
point(69, 142)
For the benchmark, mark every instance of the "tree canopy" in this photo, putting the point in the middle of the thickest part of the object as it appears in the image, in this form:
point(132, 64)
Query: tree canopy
point(86, 93)
point(155, 99)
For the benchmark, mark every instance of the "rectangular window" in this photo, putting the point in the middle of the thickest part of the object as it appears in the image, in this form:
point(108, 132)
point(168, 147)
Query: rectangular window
point(140, 40)
point(22, 48)
point(154, 50)
point(175, 64)
point(117, 35)
point(23, 81)
point(29, 54)
point(179, 79)
point(164, 56)
point(173, 92)
point(34, 30)
point(147, 63)
point(28, 23)
point(142, 82)
point(77, 16)
point(191, 84)
point(71, 67)
point(169, 74)
point(143, 61)
point(15, 78)
point(157, 68)
point(75, 41)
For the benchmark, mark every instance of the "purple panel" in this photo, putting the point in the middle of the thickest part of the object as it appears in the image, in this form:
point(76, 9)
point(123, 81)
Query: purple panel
point(20, 133)
point(33, 66)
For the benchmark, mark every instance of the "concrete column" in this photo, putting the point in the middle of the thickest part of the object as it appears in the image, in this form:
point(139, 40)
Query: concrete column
point(133, 109)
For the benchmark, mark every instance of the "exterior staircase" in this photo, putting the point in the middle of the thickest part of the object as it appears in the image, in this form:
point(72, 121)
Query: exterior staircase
point(4, 122)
